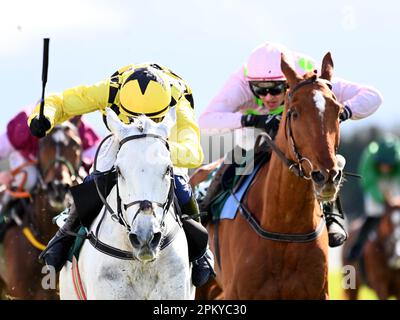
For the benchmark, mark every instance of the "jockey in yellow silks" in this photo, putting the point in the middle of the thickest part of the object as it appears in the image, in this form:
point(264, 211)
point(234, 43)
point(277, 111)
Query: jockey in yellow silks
point(148, 89)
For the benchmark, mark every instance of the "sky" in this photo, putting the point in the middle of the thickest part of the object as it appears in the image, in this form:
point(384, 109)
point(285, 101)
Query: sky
point(203, 41)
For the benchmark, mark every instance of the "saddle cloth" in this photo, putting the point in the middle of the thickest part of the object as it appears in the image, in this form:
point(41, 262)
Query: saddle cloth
point(231, 204)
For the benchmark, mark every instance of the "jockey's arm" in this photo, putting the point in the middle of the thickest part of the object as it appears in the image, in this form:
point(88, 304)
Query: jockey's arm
point(184, 139)
point(222, 113)
point(362, 100)
point(74, 101)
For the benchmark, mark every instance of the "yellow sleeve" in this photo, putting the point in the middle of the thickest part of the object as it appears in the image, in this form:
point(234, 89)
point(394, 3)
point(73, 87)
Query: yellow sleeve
point(185, 147)
point(75, 101)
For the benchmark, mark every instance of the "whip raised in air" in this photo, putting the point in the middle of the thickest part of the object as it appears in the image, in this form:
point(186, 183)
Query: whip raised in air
point(44, 72)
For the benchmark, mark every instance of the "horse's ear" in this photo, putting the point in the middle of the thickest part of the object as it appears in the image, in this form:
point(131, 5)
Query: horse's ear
point(168, 122)
point(114, 124)
point(290, 73)
point(327, 67)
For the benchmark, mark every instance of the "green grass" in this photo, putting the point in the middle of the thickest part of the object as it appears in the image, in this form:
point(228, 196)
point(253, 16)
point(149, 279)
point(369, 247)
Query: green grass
point(336, 291)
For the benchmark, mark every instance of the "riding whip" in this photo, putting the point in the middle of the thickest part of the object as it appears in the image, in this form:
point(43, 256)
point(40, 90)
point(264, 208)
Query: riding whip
point(44, 73)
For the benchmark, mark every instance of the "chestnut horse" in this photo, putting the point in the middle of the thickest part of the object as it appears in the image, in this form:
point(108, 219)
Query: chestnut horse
point(59, 161)
point(381, 257)
point(277, 245)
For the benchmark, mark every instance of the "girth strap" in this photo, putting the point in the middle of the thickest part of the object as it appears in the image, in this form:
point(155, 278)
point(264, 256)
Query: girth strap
point(275, 236)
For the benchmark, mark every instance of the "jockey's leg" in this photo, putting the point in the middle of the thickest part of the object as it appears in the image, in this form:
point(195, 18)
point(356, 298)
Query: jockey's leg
point(56, 252)
point(82, 211)
point(203, 266)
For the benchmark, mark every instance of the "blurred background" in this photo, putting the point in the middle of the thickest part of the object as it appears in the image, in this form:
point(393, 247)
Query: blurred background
point(203, 41)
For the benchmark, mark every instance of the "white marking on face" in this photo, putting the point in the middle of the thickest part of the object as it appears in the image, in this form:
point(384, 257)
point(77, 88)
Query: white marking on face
point(319, 102)
point(59, 136)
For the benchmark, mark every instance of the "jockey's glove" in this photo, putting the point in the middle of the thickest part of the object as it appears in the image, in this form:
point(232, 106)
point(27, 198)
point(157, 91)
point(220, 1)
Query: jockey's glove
point(345, 114)
point(39, 126)
point(267, 122)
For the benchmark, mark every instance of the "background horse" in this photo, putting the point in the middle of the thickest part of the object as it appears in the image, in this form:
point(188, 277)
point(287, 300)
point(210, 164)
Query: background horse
point(59, 161)
point(380, 265)
point(145, 256)
point(282, 254)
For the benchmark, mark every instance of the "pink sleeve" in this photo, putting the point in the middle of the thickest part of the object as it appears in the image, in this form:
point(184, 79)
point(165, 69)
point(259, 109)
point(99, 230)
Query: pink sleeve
point(222, 113)
point(361, 99)
point(88, 135)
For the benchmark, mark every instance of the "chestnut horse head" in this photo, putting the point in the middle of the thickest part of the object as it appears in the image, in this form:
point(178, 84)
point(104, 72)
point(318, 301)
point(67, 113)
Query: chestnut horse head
point(60, 156)
point(311, 125)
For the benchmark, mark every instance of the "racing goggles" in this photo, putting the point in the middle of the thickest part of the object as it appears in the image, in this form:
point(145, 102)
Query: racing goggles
point(273, 88)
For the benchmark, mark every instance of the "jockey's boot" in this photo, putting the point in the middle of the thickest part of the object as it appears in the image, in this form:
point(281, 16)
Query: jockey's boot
point(368, 226)
point(334, 215)
point(203, 267)
point(337, 235)
point(56, 252)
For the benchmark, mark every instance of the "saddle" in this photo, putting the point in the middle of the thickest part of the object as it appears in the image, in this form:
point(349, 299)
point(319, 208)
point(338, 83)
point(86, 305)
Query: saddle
point(230, 183)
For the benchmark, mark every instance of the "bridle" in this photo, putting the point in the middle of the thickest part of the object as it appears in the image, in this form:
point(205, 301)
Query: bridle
point(118, 216)
point(143, 204)
point(295, 166)
point(59, 159)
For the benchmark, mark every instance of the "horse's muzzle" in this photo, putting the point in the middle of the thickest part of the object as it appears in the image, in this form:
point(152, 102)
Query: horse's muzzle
point(146, 246)
point(326, 183)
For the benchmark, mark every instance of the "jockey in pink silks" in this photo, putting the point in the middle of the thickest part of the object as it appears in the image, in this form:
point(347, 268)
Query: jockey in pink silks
point(254, 97)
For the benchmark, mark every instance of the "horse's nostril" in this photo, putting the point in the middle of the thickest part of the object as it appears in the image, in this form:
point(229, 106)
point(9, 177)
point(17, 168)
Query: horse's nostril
point(133, 238)
point(317, 177)
point(156, 239)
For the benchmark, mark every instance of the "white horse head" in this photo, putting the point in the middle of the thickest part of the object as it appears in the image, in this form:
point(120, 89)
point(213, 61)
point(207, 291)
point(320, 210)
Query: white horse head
point(144, 169)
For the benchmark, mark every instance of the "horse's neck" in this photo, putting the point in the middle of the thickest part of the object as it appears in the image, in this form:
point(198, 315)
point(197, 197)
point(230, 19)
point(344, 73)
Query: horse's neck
point(287, 201)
